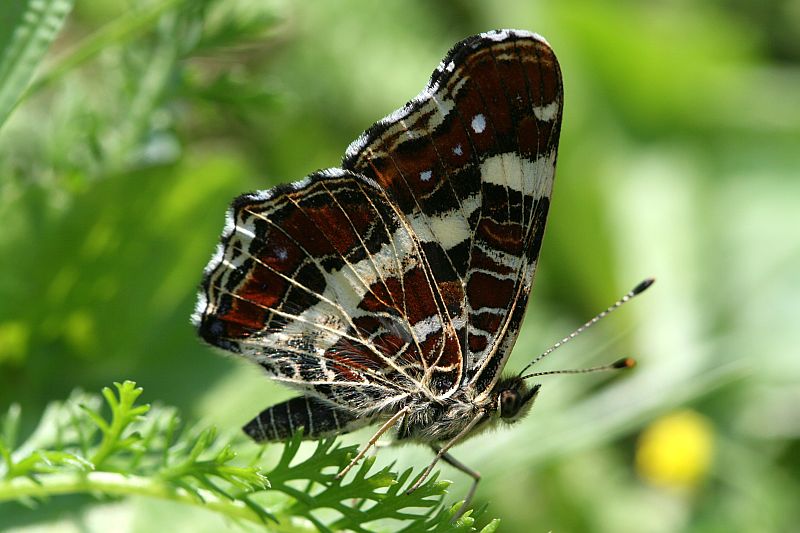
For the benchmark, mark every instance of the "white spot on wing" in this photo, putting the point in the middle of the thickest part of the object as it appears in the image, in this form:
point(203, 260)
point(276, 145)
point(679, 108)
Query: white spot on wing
point(450, 231)
point(459, 322)
point(425, 176)
point(446, 229)
point(546, 112)
point(444, 105)
point(457, 150)
point(420, 103)
point(518, 173)
point(424, 328)
point(479, 123)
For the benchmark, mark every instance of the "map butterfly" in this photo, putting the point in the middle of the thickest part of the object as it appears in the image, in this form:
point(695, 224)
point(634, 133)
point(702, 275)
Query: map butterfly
point(391, 290)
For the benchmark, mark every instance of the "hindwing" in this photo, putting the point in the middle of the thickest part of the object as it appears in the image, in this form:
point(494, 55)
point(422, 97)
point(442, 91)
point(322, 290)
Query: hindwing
point(324, 284)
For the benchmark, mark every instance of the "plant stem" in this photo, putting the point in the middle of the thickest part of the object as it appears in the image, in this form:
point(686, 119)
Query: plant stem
point(112, 483)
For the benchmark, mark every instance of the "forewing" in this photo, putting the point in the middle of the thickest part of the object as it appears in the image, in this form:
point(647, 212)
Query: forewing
point(470, 163)
point(322, 282)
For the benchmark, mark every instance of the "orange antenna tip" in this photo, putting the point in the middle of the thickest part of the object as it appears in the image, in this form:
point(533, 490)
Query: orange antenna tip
point(627, 362)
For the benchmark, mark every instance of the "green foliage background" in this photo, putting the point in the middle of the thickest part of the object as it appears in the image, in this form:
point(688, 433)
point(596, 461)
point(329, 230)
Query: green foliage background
point(679, 159)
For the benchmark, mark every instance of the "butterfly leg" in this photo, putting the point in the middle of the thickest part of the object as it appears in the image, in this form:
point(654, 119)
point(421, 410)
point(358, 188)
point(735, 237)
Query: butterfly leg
point(458, 465)
point(383, 429)
point(443, 450)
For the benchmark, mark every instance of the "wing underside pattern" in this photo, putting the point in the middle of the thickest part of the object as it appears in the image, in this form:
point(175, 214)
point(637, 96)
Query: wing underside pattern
point(325, 286)
point(470, 162)
point(407, 271)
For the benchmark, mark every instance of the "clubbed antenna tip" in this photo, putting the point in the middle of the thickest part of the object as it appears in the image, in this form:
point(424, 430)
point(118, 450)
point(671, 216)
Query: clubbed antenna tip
point(643, 286)
point(627, 362)
point(623, 363)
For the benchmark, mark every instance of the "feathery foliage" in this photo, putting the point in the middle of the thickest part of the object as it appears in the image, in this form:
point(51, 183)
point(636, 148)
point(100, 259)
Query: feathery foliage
point(139, 450)
point(129, 126)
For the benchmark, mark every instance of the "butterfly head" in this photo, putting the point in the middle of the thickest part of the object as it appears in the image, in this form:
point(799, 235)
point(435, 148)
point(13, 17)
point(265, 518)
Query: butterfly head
point(514, 398)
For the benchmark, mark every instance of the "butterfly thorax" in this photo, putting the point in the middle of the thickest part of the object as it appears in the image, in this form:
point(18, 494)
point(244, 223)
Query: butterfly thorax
point(429, 422)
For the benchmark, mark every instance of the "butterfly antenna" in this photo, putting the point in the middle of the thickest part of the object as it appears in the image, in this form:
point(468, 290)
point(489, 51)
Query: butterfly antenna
point(625, 362)
point(622, 363)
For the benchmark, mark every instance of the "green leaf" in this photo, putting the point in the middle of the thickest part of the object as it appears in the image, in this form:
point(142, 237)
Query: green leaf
point(492, 526)
point(135, 450)
point(27, 28)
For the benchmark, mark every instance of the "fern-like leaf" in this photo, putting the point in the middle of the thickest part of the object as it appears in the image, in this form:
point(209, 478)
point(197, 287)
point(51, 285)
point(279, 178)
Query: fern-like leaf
point(133, 449)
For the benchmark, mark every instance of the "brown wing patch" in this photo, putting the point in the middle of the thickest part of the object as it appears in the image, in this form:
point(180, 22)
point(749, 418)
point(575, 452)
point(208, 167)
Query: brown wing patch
point(470, 163)
point(324, 283)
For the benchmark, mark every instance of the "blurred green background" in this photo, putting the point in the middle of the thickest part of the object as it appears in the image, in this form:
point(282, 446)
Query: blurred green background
point(679, 158)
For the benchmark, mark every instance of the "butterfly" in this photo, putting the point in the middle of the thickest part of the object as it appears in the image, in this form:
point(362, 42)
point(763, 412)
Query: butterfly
point(390, 291)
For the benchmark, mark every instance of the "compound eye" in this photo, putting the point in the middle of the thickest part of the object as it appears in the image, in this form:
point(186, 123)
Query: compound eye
point(509, 400)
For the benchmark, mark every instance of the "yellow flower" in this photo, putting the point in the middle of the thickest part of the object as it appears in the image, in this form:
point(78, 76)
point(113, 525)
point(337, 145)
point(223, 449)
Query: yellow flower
point(676, 450)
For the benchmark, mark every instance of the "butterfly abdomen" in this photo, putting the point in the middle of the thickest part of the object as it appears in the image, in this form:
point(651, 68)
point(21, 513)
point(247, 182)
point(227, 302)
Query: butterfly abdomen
point(318, 420)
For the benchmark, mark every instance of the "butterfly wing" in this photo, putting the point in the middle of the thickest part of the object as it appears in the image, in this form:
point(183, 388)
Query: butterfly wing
point(406, 272)
point(323, 283)
point(470, 163)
